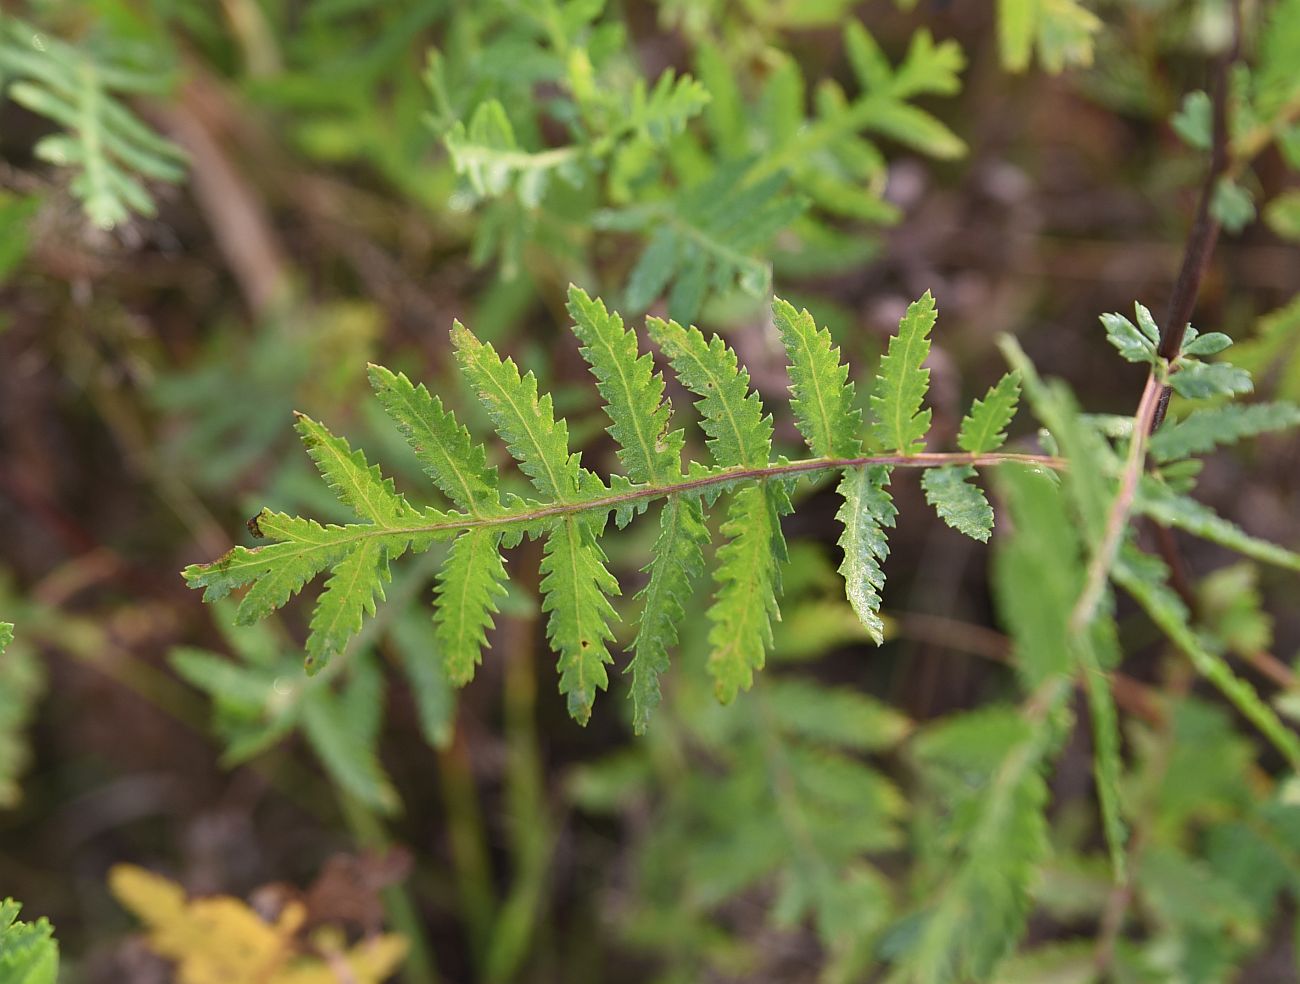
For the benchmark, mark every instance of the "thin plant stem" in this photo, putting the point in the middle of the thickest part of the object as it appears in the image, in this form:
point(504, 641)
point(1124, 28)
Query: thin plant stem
point(1103, 557)
point(532, 512)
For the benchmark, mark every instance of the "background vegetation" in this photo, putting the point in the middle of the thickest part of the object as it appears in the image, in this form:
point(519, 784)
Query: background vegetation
point(212, 215)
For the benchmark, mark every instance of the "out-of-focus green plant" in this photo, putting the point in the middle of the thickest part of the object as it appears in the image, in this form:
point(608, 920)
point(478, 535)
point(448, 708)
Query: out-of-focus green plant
point(534, 139)
point(983, 772)
point(81, 88)
point(707, 200)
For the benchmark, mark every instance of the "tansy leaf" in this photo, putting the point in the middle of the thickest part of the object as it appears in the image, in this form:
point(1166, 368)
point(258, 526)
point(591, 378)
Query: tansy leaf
point(901, 424)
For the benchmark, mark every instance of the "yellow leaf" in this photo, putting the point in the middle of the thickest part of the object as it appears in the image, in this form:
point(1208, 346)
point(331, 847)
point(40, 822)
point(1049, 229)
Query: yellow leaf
point(220, 940)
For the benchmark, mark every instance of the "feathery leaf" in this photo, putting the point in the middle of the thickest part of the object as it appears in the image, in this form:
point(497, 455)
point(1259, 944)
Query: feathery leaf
point(306, 549)
point(471, 579)
point(350, 594)
point(1171, 509)
point(1038, 575)
point(575, 585)
point(678, 560)
point(1205, 429)
point(1203, 380)
point(1107, 765)
point(633, 392)
point(1146, 578)
point(83, 90)
point(983, 429)
point(343, 728)
point(731, 415)
point(865, 514)
point(537, 440)
point(456, 464)
point(1000, 798)
point(748, 579)
point(959, 503)
point(1133, 343)
point(357, 483)
point(705, 237)
point(901, 424)
point(822, 395)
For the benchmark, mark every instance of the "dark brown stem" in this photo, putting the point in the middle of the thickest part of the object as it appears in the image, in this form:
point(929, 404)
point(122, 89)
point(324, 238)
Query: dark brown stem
point(1205, 227)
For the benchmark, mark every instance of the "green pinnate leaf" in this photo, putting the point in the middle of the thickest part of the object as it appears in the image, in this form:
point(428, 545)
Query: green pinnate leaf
point(537, 440)
point(1201, 380)
point(1146, 323)
point(1060, 30)
point(747, 581)
point(711, 234)
point(654, 270)
point(471, 580)
point(985, 766)
point(731, 415)
point(280, 572)
point(358, 484)
point(959, 503)
point(678, 561)
point(305, 549)
point(342, 728)
point(1107, 759)
point(866, 513)
point(1130, 341)
point(1170, 509)
point(1038, 575)
point(350, 594)
point(575, 592)
point(633, 392)
point(1194, 121)
point(29, 954)
point(839, 716)
point(84, 88)
point(1205, 429)
point(1146, 578)
point(822, 401)
point(456, 464)
point(493, 163)
point(983, 429)
point(663, 111)
point(901, 424)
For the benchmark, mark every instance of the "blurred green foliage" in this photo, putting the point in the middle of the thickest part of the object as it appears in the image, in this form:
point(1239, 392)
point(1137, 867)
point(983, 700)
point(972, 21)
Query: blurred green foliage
point(422, 160)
